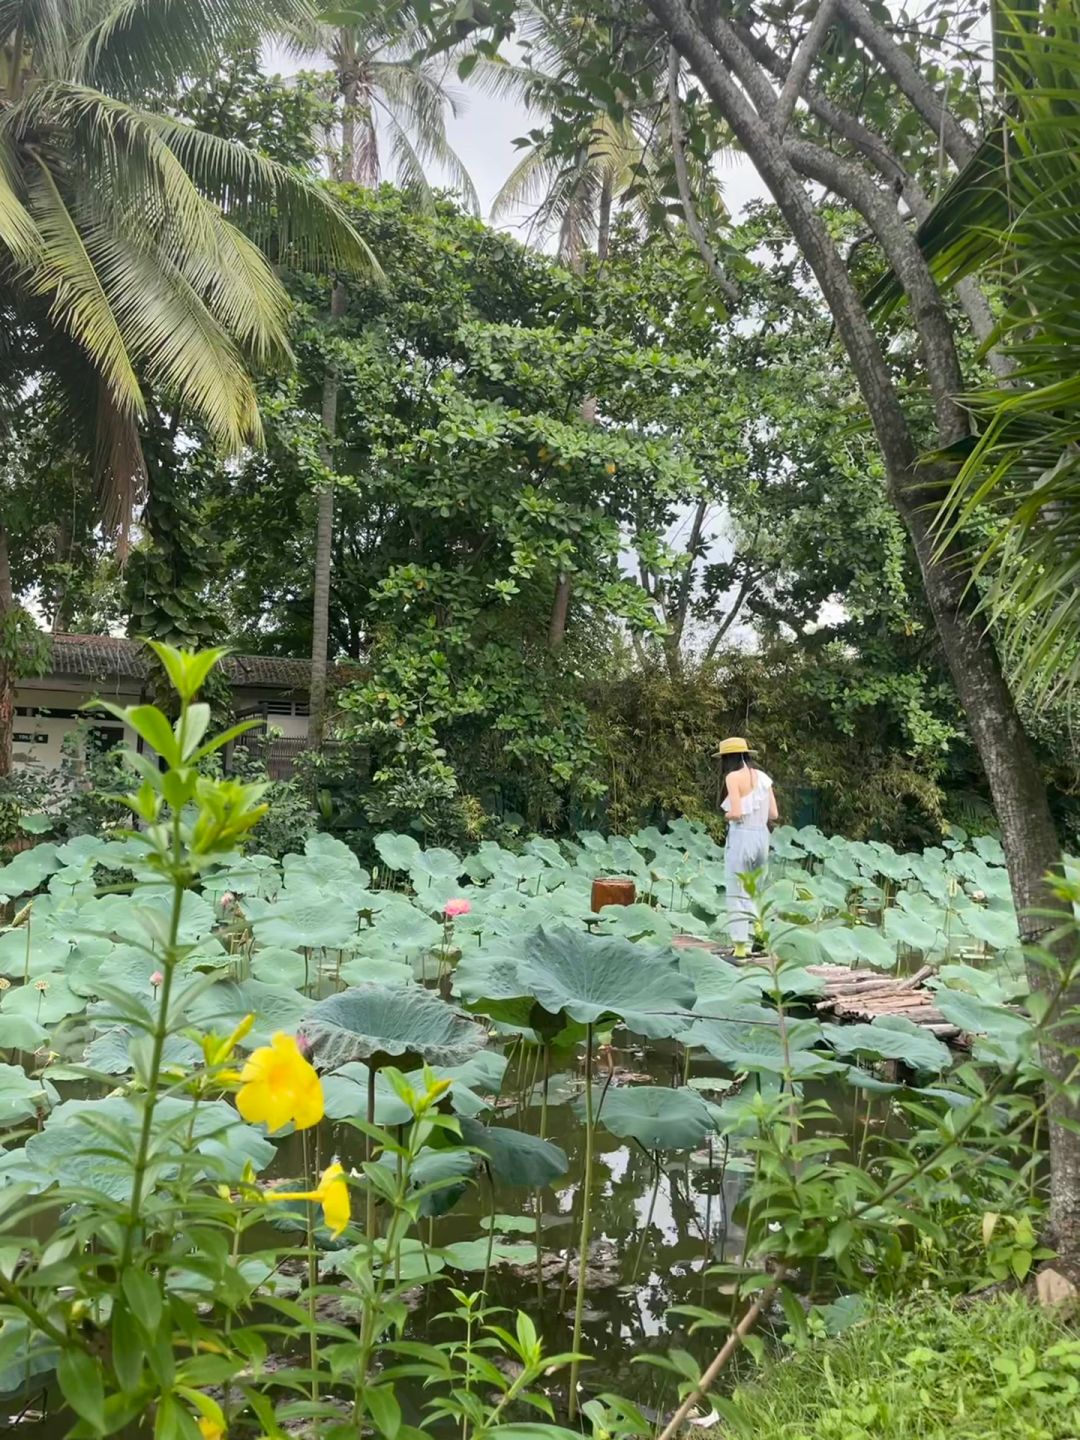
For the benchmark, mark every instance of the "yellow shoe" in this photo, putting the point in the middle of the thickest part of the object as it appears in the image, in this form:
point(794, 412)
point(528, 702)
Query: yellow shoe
point(741, 951)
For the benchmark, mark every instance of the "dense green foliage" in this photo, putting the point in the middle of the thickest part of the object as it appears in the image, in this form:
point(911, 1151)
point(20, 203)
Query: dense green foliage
point(998, 1367)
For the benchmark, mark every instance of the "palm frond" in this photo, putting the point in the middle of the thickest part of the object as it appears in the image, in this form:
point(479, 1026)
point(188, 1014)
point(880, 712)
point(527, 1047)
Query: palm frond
point(79, 304)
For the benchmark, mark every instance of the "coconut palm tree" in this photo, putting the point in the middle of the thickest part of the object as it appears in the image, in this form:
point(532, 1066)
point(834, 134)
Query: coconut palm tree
point(130, 243)
point(132, 264)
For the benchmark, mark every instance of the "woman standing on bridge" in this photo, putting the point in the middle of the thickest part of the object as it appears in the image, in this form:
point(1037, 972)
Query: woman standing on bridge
point(750, 806)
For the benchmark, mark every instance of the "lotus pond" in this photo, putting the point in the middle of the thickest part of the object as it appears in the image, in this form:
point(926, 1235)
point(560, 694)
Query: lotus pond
point(607, 1085)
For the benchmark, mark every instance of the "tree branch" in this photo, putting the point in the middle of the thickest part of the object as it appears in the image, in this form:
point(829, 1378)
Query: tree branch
point(904, 73)
point(928, 311)
point(682, 179)
point(799, 73)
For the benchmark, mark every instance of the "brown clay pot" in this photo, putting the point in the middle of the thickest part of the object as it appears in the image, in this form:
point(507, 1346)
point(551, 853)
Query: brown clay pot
point(612, 890)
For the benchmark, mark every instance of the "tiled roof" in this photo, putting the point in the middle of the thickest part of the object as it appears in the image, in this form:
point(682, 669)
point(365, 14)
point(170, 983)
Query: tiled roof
point(107, 657)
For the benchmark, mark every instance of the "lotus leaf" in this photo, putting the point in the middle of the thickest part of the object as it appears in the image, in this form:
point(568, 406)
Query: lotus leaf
point(656, 1116)
point(760, 1047)
point(224, 1005)
point(277, 966)
point(906, 929)
point(438, 1168)
point(325, 923)
point(601, 979)
point(859, 944)
point(19, 1032)
point(373, 970)
point(513, 1156)
point(899, 1039)
point(397, 852)
point(404, 1026)
point(477, 1254)
point(46, 1000)
point(996, 928)
point(28, 870)
point(1008, 1034)
point(110, 1054)
point(30, 951)
point(22, 1098)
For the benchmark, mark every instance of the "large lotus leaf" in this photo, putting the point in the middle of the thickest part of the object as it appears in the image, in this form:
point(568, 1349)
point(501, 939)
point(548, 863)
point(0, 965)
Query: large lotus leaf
point(126, 968)
point(760, 1048)
point(403, 927)
point(277, 966)
point(374, 970)
point(397, 852)
point(656, 1116)
point(325, 922)
point(152, 905)
point(31, 951)
point(514, 1157)
point(713, 976)
point(248, 875)
point(72, 1151)
point(19, 1032)
point(600, 979)
point(996, 928)
point(490, 982)
point(439, 1167)
point(326, 864)
point(989, 848)
point(635, 922)
point(47, 1000)
point(929, 870)
point(477, 1254)
point(224, 1005)
point(890, 1037)
point(859, 944)
point(798, 946)
point(404, 1026)
point(994, 986)
point(345, 1096)
point(548, 851)
point(109, 1053)
point(22, 1098)
point(903, 928)
point(1007, 1034)
point(28, 870)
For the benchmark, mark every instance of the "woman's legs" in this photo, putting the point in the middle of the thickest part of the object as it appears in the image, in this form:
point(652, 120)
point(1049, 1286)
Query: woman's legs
point(745, 850)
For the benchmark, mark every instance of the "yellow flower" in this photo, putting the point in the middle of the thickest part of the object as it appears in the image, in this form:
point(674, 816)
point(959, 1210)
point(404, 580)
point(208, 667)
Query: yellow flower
point(332, 1193)
point(279, 1085)
point(210, 1429)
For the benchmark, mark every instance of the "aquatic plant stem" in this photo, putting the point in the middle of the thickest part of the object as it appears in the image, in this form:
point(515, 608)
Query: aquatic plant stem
point(369, 1223)
point(720, 1360)
point(313, 1276)
point(153, 1079)
point(491, 1231)
point(583, 1236)
point(538, 1201)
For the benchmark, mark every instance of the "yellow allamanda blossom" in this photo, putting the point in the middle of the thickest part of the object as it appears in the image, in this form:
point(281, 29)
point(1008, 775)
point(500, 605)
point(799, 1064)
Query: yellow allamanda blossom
point(332, 1193)
point(210, 1429)
point(278, 1085)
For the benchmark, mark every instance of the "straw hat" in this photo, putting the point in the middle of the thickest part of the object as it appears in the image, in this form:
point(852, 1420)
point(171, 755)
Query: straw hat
point(733, 745)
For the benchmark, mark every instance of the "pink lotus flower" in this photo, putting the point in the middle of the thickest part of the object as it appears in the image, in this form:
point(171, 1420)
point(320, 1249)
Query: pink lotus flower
point(456, 907)
point(228, 900)
point(303, 1044)
point(157, 978)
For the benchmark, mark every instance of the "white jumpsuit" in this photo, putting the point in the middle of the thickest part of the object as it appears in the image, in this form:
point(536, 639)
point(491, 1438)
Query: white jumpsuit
point(746, 848)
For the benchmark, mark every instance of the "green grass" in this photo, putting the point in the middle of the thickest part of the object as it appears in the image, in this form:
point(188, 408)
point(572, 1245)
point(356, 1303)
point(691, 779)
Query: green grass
point(924, 1372)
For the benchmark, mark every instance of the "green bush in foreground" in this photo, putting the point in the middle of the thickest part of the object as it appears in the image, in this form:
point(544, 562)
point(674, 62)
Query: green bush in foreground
point(933, 1372)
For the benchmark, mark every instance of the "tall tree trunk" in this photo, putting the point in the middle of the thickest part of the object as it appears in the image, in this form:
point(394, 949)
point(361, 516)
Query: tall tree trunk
point(560, 610)
point(1028, 833)
point(603, 219)
point(324, 520)
point(324, 543)
point(7, 665)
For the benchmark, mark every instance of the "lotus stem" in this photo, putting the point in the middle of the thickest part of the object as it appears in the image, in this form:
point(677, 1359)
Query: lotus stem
point(648, 1218)
point(313, 1276)
point(586, 1217)
point(370, 1206)
point(491, 1231)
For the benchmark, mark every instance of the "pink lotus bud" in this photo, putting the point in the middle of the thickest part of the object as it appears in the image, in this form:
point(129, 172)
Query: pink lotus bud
point(157, 978)
point(303, 1044)
point(228, 900)
point(456, 907)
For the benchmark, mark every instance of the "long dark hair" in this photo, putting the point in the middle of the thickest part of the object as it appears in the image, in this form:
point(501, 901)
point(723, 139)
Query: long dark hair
point(730, 763)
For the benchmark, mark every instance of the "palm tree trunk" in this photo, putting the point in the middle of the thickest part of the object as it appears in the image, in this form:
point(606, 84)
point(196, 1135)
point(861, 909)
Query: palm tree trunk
point(7, 664)
point(603, 219)
point(324, 543)
point(324, 522)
